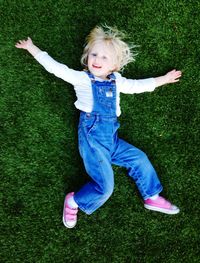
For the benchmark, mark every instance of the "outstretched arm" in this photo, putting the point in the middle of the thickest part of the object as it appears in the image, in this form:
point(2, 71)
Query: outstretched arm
point(52, 66)
point(29, 46)
point(171, 77)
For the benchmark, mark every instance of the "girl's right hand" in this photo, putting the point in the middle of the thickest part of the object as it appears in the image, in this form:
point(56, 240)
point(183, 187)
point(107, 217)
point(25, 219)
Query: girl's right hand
point(29, 46)
point(25, 44)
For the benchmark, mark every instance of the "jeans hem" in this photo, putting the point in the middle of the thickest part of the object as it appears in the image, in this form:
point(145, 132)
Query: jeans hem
point(83, 209)
point(155, 193)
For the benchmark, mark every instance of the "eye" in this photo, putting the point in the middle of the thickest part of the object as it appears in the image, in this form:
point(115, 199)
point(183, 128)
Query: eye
point(93, 54)
point(104, 57)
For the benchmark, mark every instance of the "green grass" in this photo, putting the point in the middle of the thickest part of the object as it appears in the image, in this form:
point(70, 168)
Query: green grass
point(39, 154)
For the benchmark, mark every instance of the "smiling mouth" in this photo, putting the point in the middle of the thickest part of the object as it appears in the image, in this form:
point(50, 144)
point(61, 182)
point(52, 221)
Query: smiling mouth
point(94, 66)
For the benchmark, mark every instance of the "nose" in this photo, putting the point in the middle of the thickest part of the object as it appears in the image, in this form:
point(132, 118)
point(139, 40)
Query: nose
point(96, 60)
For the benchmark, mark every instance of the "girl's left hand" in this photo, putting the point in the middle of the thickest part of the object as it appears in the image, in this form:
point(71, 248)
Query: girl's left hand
point(173, 76)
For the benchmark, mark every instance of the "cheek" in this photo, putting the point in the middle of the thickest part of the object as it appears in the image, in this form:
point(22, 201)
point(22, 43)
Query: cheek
point(89, 61)
point(112, 66)
point(115, 66)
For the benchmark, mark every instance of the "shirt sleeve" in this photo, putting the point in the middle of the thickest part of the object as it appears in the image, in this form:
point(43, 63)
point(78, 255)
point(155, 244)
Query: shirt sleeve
point(58, 69)
point(131, 86)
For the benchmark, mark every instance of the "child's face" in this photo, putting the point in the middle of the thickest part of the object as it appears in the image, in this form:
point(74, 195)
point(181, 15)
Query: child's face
point(101, 60)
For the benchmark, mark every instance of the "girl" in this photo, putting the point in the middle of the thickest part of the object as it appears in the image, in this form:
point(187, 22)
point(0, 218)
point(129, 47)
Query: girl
point(98, 89)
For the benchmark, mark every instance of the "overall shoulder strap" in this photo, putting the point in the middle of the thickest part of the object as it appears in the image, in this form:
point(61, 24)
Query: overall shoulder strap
point(91, 76)
point(112, 76)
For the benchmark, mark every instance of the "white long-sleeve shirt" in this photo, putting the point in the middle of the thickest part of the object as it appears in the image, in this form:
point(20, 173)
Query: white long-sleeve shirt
point(82, 83)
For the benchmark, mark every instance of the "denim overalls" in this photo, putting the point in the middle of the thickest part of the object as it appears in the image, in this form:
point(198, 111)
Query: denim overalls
point(100, 147)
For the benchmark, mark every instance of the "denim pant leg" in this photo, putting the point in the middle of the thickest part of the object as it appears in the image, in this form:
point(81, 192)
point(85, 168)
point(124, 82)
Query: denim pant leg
point(139, 168)
point(97, 163)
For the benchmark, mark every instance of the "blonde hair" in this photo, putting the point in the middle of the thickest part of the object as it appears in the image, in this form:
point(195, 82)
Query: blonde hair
point(113, 37)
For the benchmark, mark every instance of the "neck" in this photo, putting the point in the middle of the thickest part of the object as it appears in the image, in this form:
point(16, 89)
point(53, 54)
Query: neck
point(107, 77)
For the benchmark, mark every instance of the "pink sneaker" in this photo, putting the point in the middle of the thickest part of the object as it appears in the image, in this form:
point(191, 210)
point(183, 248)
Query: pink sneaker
point(160, 204)
point(69, 214)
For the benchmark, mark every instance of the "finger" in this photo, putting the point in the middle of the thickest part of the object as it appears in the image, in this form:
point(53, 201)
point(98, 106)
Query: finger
point(176, 80)
point(178, 75)
point(179, 72)
point(18, 45)
point(172, 72)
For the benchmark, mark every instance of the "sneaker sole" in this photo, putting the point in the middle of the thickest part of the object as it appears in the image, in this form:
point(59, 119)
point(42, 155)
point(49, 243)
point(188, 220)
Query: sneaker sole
point(63, 219)
point(66, 225)
point(162, 210)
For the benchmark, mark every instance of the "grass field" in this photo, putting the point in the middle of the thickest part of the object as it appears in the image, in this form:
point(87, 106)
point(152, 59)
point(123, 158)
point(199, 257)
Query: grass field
point(39, 157)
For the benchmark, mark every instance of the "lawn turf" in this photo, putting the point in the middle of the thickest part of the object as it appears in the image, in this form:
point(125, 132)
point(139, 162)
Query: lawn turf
point(39, 157)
